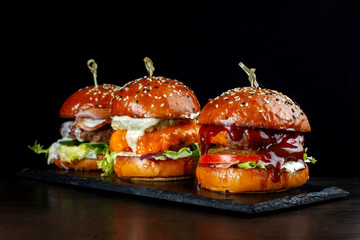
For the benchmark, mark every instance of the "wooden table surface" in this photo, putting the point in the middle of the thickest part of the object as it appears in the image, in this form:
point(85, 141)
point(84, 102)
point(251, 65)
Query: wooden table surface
point(33, 209)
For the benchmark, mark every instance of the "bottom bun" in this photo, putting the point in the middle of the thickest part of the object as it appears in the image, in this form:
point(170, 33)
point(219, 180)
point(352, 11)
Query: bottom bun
point(236, 180)
point(154, 170)
point(85, 164)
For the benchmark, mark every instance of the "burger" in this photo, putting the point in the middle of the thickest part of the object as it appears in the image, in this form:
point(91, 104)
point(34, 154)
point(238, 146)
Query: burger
point(156, 135)
point(85, 138)
point(252, 140)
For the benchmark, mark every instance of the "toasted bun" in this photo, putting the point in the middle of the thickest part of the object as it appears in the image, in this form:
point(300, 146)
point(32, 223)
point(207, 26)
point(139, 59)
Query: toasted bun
point(252, 107)
point(155, 97)
point(85, 164)
point(89, 102)
point(236, 180)
point(154, 170)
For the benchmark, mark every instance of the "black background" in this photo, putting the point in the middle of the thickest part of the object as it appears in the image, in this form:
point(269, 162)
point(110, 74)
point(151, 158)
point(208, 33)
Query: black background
point(306, 50)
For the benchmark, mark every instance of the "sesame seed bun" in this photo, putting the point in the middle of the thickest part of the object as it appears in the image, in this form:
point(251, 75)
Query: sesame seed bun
point(155, 97)
point(253, 107)
point(235, 180)
point(89, 102)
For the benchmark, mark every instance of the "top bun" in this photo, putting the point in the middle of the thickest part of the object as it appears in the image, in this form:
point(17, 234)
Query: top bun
point(155, 97)
point(254, 107)
point(89, 102)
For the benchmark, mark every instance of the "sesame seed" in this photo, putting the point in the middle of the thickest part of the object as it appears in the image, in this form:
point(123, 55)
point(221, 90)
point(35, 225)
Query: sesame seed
point(226, 117)
point(216, 105)
point(162, 105)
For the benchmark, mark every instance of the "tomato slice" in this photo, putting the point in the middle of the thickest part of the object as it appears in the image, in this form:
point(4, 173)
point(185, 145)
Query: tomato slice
point(228, 158)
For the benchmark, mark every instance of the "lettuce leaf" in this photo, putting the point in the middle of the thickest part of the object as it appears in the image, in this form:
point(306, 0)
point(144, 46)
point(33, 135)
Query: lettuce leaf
point(251, 165)
point(70, 153)
point(39, 149)
point(153, 156)
point(69, 150)
point(107, 164)
point(192, 151)
point(98, 148)
point(308, 159)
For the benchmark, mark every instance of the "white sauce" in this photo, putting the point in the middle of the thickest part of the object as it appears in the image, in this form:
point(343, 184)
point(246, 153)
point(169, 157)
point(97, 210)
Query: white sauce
point(66, 128)
point(92, 122)
point(53, 152)
point(192, 115)
point(289, 166)
point(135, 127)
point(292, 166)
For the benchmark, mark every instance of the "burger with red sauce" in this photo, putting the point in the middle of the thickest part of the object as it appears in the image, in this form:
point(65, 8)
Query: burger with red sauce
point(156, 135)
point(252, 140)
point(85, 138)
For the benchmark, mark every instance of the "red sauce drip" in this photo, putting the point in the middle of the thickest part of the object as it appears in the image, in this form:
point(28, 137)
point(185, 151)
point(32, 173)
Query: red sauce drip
point(275, 146)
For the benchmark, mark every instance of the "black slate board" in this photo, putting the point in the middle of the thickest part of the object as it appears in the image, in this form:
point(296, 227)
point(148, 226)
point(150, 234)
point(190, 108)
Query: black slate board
point(186, 192)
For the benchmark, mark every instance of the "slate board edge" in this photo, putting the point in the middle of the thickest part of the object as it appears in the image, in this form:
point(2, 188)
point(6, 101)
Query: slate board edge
point(187, 198)
point(328, 193)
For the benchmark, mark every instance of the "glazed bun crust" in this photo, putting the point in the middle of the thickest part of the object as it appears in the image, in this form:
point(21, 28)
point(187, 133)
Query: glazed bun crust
point(236, 180)
point(89, 102)
point(258, 108)
point(155, 97)
point(154, 170)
